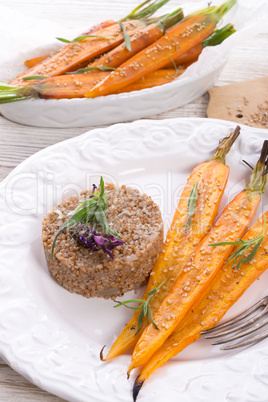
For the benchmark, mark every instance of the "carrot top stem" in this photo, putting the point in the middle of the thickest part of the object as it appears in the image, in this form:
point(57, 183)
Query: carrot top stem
point(13, 94)
point(223, 9)
point(140, 11)
point(169, 20)
point(206, 10)
point(219, 35)
point(259, 175)
point(225, 146)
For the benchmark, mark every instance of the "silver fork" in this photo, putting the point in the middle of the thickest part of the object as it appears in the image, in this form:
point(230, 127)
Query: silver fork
point(243, 328)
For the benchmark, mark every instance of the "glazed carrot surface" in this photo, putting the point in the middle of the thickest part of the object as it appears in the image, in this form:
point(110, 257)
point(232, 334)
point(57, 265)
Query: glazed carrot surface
point(203, 265)
point(36, 60)
point(214, 303)
point(180, 244)
point(196, 275)
point(172, 45)
point(74, 53)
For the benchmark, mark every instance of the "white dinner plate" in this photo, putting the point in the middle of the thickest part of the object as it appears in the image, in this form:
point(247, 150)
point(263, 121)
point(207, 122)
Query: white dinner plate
point(247, 16)
point(53, 337)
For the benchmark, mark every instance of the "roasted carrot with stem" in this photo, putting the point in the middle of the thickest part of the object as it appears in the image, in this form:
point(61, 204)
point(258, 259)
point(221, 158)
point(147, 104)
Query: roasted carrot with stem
point(172, 45)
point(137, 13)
point(227, 287)
point(85, 48)
point(180, 245)
point(77, 85)
point(154, 79)
point(203, 265)
point(217, 37)
point(75, 53)
point(36, 60)
point(139, 41)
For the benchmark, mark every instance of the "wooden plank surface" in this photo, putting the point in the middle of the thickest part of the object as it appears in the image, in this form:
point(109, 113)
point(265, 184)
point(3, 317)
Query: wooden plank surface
point(17, 142)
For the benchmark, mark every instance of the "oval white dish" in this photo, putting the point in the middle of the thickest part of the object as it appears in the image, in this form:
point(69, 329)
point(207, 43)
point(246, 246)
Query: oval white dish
point(62, 113)
point(53, 337)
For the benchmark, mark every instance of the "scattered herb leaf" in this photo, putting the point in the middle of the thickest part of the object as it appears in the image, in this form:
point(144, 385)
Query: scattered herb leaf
point(126, 36)
point(173, 62)
point(84, 70)
point(80, 38)
point(245, 245)
point(144, 307)
point(191, 205)
point(34, 77)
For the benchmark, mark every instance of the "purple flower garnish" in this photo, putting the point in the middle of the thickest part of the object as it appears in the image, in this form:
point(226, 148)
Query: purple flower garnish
point(94, 188)
point(93, 240)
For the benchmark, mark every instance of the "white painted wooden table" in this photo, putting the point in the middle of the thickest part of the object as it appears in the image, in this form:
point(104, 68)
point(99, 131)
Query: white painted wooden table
point(17, 142)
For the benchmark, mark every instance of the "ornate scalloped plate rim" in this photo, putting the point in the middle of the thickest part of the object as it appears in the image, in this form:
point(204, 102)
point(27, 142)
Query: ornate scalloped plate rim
point(6, 350)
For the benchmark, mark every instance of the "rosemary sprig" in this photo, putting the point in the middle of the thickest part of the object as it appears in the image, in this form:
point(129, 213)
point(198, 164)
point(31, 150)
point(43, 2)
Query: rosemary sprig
point(126, 36)
point(174, 64)
point(93, 210)
point(191, 205)
point(245, 245)
point(144, 307)
point(84, 70)
point(80, 38)
point(34, 77)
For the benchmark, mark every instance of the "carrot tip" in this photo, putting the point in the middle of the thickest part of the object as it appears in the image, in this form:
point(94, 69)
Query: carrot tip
point(101, 354)
point(136, 388)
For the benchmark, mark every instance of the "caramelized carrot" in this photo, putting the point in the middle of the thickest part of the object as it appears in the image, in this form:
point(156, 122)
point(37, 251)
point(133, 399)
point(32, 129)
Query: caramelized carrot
point(180, 244)
point(69, 86)
point(173, 44)
point(36, 60)
point(203, 265)
point(157, 78)
point(77, 85)
point(139, 41)
point(227, 287)
point(217, 37)
point(74, 53)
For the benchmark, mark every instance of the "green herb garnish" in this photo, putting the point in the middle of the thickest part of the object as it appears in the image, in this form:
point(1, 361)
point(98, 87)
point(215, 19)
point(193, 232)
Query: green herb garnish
point(173, 62)
point(126, 36)
point(94, 210)
point(80, 38)
point(144, 307)
point(84, 70)
point(245, 245)
point(191, 205)
point(34, 77)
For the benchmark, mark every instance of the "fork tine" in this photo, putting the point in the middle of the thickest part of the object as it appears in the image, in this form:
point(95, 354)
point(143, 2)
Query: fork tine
point(242, 333)
point(244, 324)
point(249, 341)
point(239, 317)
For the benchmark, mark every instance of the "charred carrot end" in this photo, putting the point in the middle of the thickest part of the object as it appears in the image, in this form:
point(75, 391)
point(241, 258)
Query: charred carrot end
point(204, 265)
point(224, 291)
point(212, 177)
